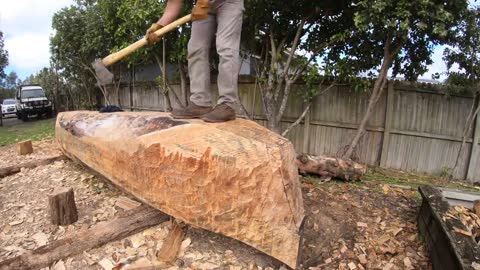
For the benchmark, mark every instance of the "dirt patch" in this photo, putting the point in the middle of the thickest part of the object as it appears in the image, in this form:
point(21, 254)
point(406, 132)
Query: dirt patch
point(365, 225)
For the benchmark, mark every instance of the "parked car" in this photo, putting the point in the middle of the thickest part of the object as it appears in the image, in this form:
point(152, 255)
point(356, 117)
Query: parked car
point(31, 100)
point(8, 107)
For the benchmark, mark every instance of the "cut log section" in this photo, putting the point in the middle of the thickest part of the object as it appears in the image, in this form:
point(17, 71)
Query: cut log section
point(171, 246)
point(6, 171)
point(235, 178)
point(330, 167)
point(95, 236)
point(62, 208)
point(24, 148)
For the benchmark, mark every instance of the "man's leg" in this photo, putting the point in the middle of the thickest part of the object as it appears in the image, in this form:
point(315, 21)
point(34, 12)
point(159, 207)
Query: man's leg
point(229, 28)
point(198, 60)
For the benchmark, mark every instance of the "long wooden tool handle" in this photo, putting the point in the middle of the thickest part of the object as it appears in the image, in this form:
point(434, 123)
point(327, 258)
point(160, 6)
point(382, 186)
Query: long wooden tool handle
point(115, 57)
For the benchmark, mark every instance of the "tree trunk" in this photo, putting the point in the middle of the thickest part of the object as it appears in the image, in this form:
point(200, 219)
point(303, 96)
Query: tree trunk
point(62, 208)
point(97, 235)
point(183, 83)
point(376, 94)
point(330, 167)
point(466, 130)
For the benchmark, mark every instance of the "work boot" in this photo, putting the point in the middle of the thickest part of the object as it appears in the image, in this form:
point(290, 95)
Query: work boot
point(191, 111)
point(221, 113)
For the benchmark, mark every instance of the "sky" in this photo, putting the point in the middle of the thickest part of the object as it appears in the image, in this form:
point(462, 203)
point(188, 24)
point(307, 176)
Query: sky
point(26, 25)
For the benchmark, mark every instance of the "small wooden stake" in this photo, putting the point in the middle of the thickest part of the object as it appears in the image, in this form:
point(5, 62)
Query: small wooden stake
point(62, 208)
point(171, 246)
point(24, 148)
point(476, 207)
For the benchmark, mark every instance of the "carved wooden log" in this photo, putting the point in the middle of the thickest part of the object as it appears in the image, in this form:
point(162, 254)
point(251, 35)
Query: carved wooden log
point(330, 167)
point(235, 178)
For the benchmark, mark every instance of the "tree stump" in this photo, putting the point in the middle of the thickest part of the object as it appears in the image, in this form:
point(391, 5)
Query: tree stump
point(24, 148)
point(62, 208)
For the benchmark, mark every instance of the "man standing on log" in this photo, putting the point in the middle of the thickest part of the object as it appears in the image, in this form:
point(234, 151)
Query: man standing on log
point(220, 18)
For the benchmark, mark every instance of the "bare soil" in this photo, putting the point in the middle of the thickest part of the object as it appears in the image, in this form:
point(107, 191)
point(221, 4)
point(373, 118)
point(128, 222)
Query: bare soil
point(349, 225)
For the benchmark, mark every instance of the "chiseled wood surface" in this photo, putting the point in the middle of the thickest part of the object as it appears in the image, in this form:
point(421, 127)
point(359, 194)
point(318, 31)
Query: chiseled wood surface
point(236, 178)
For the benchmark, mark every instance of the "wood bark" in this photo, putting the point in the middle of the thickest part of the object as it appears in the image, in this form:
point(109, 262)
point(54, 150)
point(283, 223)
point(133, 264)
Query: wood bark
point(24, 148)
point(62, 207)
point(330, 167)
point(95, 236)
point(235, 178)
point(171, 246)
point(390, 52)
point(6, 171)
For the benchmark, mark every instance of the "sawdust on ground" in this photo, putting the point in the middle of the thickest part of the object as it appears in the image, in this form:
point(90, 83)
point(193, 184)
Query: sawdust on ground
point(349, 225)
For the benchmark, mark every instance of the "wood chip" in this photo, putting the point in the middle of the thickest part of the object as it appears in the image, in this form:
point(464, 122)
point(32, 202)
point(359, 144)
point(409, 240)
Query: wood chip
point(106, 264)
point(407, 262)
point(144, 264)
point(126, 204)
point(352, 266)
point(362, 258)
point(388, 266)
point(475, 266)
point(383, 239)
point(60, 265)
point(137, 240)
point(362, 224)
point(40, 239)
point(457, 230)
point(16, 222)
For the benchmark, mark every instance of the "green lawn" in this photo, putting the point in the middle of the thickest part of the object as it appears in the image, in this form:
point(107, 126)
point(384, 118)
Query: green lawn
point(14, 130)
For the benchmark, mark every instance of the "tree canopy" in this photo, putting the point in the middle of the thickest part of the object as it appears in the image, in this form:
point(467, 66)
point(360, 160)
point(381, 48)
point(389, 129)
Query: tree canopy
point(3, 57)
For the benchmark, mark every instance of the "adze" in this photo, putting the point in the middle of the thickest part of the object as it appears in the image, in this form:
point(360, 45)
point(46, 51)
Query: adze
point(104, 76)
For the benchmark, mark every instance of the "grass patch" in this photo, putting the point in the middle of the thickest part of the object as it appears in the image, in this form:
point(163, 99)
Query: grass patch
point(34, 130)
point(414, 180)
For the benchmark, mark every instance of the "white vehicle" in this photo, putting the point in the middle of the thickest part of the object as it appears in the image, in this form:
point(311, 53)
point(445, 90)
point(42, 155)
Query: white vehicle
point(31, 100)
point(8, 107)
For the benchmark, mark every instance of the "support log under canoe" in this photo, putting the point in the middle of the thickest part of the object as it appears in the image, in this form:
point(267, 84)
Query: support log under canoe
point(235, 178)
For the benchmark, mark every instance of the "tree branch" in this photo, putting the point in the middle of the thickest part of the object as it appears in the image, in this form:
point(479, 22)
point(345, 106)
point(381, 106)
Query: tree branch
point(299, 120)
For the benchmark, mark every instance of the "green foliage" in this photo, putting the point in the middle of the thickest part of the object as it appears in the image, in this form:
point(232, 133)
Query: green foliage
point(410, 27)
point(3, 57)
point(102, 27)
point(11, 81)
point(464, 53)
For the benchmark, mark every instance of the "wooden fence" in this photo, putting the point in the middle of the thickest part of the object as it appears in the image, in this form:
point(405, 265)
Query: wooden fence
point(411, 129)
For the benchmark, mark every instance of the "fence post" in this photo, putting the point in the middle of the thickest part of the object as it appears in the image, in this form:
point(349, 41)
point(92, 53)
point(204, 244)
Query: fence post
point(388, 124)
point(475, 152)
point(306, 132)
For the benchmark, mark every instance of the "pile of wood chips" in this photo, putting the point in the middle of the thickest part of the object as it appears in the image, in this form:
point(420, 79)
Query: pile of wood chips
point(469, 217)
